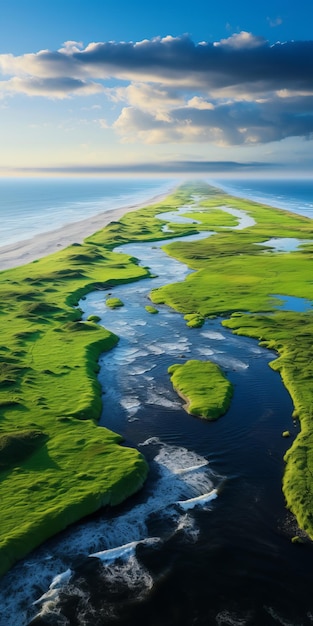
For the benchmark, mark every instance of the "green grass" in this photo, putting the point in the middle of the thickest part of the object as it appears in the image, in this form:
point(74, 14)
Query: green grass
point(151, 309)
point(203, 386)
point(56, 464)
point(234, 276)
point(194, 320)
point(114, 303)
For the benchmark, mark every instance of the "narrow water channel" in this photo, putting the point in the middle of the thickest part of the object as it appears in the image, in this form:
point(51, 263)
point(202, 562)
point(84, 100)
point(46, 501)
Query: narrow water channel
point(208, 540)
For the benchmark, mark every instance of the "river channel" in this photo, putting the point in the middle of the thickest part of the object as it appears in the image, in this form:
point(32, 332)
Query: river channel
point(208, 539)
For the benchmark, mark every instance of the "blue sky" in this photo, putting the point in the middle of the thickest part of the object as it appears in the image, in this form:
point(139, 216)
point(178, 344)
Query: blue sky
point(117, 86)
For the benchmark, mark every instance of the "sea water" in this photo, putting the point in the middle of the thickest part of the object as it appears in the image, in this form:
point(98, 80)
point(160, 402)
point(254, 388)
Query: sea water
point(30, 206)
point(294, 195)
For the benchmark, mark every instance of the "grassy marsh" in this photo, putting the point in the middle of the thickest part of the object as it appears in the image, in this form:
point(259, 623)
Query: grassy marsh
point(56, 464)
point(235, 277)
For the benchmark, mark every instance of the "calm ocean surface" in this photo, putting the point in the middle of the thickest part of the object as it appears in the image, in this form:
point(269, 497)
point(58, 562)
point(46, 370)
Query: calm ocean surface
point(32, 206)
point(294, 195)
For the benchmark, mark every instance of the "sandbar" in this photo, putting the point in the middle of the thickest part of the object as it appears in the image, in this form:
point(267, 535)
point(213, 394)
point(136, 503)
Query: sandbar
point(43, 244)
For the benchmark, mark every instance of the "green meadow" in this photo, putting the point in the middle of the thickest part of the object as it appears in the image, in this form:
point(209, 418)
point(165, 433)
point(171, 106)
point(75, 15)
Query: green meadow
point(239, 277)
point(56, 464)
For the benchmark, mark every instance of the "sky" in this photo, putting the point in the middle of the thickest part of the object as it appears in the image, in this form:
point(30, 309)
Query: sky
point(174, 86)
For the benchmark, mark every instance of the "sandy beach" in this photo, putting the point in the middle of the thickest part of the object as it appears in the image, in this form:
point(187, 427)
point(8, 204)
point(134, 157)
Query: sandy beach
point(25, 251)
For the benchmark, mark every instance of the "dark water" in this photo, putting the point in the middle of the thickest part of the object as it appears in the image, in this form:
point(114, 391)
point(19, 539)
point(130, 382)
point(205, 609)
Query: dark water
point(208, 540)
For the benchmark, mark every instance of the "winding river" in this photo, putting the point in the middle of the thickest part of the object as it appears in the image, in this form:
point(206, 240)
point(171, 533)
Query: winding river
point(208, 539)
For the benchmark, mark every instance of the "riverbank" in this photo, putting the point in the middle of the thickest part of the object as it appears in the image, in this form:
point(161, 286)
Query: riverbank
point(57, 464)
point(54, 401)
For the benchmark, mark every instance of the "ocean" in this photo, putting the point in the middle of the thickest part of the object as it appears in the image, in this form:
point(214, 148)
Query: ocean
point(295, 195)
point(30, 206)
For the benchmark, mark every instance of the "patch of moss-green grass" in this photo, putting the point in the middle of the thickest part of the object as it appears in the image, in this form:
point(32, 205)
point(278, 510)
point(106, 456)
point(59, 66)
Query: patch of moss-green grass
point(194, 320)
point(215, 219)
point(114, 303)
point(93, 318)
point(203, 386)
point(234, 276)
point(151, 309)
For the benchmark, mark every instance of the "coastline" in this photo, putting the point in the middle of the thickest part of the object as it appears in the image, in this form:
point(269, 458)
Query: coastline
point(27, 250)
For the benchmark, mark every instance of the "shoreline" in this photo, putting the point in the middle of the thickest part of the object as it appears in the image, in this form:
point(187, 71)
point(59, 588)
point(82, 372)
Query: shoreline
point(43, 244)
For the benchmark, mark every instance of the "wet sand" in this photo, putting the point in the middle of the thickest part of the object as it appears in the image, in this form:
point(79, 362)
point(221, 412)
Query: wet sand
point(25, 251)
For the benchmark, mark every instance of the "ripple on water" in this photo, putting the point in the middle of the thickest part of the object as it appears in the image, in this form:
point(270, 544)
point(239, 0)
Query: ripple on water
point(131, 404)
point(212, 334)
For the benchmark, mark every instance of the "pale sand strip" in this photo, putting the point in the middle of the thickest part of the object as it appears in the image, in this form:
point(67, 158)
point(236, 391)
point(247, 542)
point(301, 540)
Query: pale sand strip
point(41, 245)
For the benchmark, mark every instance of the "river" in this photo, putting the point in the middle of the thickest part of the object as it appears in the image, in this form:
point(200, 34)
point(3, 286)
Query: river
point(208, 539)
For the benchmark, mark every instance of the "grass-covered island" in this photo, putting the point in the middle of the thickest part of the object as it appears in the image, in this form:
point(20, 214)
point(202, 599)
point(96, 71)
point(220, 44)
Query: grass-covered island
point(56, 464)
point(203, 386)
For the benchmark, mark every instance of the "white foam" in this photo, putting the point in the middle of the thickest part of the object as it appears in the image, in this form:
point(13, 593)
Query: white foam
point(192, 468)
point(225, 618)
point(212, 334)
point(187, 526)
point(137, 370)
point(50, 599)
point(156, 349)
point(205, 351)
point(231, 363)
point(131, 404)
point(137, 322)
point(123, 552)
point(174, 347)
point(198, 501)
point(182, 475)
point(128, 355)
point(279, 618)
point(160, 397)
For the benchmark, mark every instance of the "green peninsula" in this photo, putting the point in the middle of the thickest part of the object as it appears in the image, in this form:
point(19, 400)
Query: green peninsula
point(204, 387)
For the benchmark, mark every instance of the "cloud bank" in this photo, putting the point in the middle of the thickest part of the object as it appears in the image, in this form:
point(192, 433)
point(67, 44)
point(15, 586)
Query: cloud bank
point(240, 90)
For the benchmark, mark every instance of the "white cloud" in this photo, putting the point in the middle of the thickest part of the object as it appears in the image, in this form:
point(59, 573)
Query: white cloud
point(241, 40)
point(236, 91)
point(199, 103)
